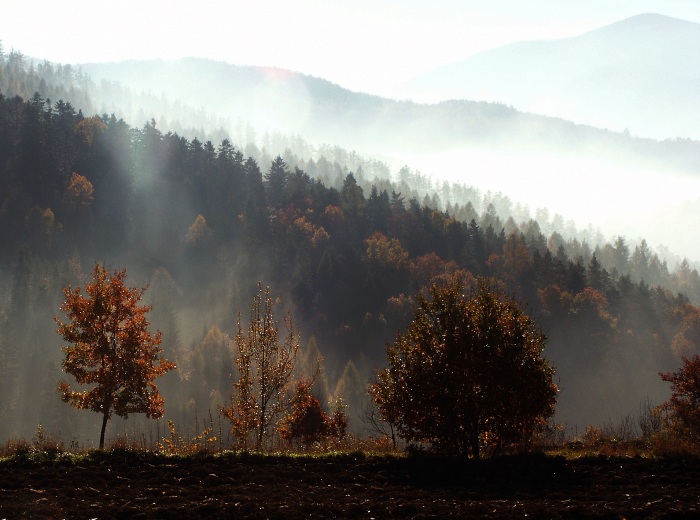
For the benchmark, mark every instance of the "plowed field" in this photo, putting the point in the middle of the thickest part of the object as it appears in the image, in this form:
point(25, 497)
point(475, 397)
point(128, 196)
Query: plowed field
point(123, 485)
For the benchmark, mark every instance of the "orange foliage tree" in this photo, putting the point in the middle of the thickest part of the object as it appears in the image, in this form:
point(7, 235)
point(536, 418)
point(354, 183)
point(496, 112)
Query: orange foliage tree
point(111, 349)
point(684, 404)
point(467, 374)
point(687, 339)
point(309, 423)
point(265, 367)
point(79, 193)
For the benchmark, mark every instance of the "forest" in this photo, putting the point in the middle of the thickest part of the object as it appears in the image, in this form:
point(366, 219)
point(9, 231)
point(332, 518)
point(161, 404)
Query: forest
point(202, 222)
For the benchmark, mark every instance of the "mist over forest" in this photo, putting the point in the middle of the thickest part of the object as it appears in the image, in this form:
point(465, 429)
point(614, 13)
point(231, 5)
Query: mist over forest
point(261, 175)
point(624, 182)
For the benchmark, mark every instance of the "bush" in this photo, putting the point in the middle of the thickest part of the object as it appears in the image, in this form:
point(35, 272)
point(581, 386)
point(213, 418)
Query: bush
point(467, 375)
point(684, 405)
point(308, 423)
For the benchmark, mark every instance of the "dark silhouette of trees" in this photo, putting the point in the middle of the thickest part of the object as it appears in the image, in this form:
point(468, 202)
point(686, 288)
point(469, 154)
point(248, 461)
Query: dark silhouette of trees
point(467, 375)
point(276, 181)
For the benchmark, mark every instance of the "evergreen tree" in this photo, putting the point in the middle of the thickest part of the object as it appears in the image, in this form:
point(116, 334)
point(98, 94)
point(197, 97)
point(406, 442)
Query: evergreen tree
point(276, 182)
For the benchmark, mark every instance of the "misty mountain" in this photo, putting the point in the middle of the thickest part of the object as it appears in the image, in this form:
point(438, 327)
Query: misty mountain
point(622, 183)
point(640, 74)
point(203, 222)
point(201, 225)
point(322, 112)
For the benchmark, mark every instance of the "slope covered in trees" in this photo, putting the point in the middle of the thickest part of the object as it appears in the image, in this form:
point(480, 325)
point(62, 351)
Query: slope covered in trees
point(280, 100)
point(204, 222)
point(220, 100)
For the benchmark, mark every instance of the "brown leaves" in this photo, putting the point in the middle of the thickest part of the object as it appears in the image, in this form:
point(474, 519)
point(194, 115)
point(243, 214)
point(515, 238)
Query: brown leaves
point(79, 193)
point(685, 397)
point(111, 348)
point(385, 252)
point(467, 374)
point(265, 365)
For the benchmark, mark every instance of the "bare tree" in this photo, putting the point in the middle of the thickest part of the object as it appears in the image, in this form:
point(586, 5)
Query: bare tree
point(377, 424)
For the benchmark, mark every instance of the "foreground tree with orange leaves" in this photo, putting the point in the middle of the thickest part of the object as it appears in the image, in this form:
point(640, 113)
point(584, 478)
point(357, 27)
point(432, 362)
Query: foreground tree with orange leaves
point(468, 374)
point(684, 405)
point(111, 349)
point(265, 368)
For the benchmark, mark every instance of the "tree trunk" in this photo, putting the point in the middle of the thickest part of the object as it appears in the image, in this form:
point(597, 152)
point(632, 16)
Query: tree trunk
point(475, 445)
point(105, 418)
point(261, 428)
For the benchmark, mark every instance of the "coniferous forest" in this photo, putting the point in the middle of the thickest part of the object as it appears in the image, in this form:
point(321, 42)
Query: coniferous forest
point(342, 248)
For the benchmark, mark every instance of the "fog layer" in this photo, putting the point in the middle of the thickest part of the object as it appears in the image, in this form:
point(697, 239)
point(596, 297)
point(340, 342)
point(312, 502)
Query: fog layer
point(342, 238)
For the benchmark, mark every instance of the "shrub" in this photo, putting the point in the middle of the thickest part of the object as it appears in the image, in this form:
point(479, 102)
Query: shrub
point(467, 375)
point(684, 405)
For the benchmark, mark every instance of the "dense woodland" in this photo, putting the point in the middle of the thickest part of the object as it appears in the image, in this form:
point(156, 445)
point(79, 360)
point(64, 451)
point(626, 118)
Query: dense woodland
point(203, 222)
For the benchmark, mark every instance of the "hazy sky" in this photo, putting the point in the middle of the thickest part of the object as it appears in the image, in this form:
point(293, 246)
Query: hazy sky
point(367, 45)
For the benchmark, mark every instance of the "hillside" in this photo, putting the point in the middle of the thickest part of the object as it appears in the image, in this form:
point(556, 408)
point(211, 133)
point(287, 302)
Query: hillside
point(202, 222)
point(639, 74)
point(530, 158)
point(296, 104)
point(203, 225)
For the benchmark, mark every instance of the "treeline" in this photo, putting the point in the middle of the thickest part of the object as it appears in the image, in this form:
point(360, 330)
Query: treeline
point(203, 223)
point(21, 76)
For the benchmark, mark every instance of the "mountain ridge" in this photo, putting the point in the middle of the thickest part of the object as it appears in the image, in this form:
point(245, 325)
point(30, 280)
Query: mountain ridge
point(600, 78)
point(487, 144)
point(295, 103)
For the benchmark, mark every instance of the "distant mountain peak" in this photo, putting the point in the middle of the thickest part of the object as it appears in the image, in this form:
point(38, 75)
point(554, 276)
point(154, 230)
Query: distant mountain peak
point(649, 24)
point(652, 19)
point(639, 73)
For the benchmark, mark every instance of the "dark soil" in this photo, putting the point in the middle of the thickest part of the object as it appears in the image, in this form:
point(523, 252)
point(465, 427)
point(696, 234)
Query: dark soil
point(128, 485)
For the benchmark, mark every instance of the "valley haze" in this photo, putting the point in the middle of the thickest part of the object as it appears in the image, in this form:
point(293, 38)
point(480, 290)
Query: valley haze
point(388, 47)
point(583, 117)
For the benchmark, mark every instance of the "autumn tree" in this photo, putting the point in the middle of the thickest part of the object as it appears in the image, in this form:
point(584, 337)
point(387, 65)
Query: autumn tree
point(198, 231)
point(684, 405)
point(78, 195)
point(111, 349)
point(308, 422)
point(338, 420)
point(386, 261)
point(265, 369)
point(468, 373)
point(687, 339)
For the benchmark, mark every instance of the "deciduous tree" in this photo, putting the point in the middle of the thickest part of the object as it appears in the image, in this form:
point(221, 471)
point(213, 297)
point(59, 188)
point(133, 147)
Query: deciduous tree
point(78, 195)
point(684, 404)
point(111, 349)
point(265, 369)
point(308, 422)
point(468, 372)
